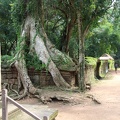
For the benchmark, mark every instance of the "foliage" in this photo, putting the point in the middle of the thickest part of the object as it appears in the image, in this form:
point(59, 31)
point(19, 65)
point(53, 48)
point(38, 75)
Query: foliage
point(7, 32)
point(63, 62)
point(73, 44)
point(57, 15)
point(103, 40)
point(115, 20)
point(5, 60)
point(115, 16)
point(111, 64)
point(17, 14)
point(90, 61)
point(55, 19)
point(21, 9)
point(34, 62)
point(91, 11)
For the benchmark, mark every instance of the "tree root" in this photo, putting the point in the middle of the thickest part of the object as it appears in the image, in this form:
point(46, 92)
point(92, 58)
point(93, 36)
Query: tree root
point(17, 96)
point(21, 96)
point(11, 88)
point(93, 99)
point(26, 93)
point(6, 86)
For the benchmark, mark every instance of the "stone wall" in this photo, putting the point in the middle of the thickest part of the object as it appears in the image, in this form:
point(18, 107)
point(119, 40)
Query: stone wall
point(89, 74)
point(39, 78)
point(43, 78)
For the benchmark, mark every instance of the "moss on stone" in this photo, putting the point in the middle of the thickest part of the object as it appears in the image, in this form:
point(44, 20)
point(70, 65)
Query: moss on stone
point(90, 61)
point(64, 63)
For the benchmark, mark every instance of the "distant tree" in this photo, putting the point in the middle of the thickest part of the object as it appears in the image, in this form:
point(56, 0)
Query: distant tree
point(7, 33)
point(89, 12)
point(104, 38)
point(115, 19)
point(106, 35)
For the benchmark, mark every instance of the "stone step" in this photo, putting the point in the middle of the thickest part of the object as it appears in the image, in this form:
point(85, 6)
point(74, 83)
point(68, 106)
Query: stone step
point(12, 111)
point(38, 110)
point(41, 111)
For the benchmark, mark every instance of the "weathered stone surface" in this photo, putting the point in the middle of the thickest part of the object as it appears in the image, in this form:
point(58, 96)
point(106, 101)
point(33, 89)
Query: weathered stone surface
point(9, 76)
point(11, 81)
point(36, 80)
point(40, 78)
point(89, 74)
point(16, 81)
point(14, 75)
point(4, 76)
point(43, 78)
point(4, 81)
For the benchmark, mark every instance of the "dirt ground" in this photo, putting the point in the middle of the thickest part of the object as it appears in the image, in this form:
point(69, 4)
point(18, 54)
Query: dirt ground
point(79, 106)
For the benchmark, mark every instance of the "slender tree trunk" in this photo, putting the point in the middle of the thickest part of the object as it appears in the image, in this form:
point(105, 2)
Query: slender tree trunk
point(81, 70)
point(69, 31)
point(67, 34)
point(82, 67)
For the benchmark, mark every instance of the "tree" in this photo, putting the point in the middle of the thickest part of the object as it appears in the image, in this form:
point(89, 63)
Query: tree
point(86, 13)
point(104, 37)
point(89, 13)
point(115, 20)
point(34, 37)
point(30, 16)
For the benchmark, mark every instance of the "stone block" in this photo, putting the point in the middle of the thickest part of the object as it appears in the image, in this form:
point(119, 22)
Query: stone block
point(15, 75)
point(3, 76)
point(4, 81)
point(9, 76)
point(15, 81)
point(42, 81)
point(11, 81)
point(36, 80)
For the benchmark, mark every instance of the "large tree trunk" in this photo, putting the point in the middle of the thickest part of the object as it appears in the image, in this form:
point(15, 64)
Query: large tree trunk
point(20, 65)
point(23, 75)
point(42, 52)
point(62, 61)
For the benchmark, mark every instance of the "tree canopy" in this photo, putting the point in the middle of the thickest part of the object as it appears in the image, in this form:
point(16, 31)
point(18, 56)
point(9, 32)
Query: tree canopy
point(60, 18)
point(105, 38)
point(53, 33)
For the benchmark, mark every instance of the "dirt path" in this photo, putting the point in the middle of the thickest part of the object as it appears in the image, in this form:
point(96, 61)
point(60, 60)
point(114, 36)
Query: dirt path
point(106, 91)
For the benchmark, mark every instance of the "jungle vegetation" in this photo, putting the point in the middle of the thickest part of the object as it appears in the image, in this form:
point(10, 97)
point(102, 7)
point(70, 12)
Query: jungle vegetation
point(57, 35)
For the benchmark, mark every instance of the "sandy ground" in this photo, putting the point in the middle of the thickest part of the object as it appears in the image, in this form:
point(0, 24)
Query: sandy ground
point(106, 91)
